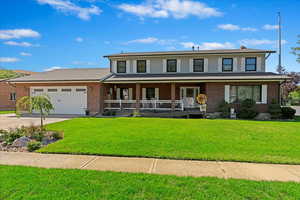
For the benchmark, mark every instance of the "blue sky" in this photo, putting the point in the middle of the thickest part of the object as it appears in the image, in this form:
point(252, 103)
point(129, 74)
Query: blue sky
point(45, 34)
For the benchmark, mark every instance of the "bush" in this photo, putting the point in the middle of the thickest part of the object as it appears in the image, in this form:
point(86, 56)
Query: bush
point(275, 110)
point(224, 109)
point(109, 113)
point(58, 135)
point(13, 134)
point(288, 113)
point(247, 109)
point(33, 145)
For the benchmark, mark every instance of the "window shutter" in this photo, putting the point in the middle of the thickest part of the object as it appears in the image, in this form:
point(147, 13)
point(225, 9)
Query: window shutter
point(114, 66)
point(144, 93)
point(258, 64)
point(130, 93)
point(264, 94)
point(220, 64)
point(134, 66)
point(164, 65)
point(148, 66)
point(127, 66)
point(178, 65)
point(234, 64)
point(118, 94)
point(243, 64)
point(227, 93)
point(205, 64)
point(157, 93)
point(191, 65)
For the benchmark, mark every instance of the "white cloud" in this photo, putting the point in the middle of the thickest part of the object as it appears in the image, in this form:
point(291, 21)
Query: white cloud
point(208, 45)
point(79, 39)
point(257, 42)
point(170, 8)
point(8, 59)
point(20, 44)
point(83, 63)
point(25, 54)
point(68, 7)
point(18, 33)
point(233, 27)
point(53, 68)
point(148, 40)
point(270, 27)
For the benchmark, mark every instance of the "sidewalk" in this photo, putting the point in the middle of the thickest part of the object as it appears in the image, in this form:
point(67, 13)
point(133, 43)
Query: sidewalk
point(251, 171)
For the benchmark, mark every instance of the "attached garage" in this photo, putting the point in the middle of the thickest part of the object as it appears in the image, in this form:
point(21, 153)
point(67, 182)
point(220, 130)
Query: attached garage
point(65, 99)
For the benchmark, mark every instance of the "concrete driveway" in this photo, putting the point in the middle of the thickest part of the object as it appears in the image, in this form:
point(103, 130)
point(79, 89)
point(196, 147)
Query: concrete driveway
point(12, 121)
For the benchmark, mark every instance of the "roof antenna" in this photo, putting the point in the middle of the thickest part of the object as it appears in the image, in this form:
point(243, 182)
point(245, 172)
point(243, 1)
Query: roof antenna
point(193, 48)
point(279, 67)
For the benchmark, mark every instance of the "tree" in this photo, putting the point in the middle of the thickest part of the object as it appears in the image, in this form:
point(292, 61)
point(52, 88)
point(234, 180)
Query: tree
point(296, 50)
point(41, 104)
point(5, 74)
point(290, 85)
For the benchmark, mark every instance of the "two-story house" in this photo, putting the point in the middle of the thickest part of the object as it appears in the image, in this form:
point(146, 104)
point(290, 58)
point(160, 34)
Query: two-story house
point(160, 81)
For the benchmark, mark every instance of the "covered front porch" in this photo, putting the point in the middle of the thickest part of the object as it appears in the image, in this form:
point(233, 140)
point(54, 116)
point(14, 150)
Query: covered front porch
point(153, 96)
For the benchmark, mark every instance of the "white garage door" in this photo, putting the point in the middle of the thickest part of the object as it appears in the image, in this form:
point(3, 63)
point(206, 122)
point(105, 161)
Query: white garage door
point(66, 100)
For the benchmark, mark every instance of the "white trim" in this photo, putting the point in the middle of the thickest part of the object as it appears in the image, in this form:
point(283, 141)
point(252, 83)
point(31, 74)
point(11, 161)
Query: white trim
point(164, 65)
point(157, 93)
point(147, 66)
point(227, 93)
point(205, 64)
point(178, 65)
point(118, 94)
point(235, 64)
point(191, 65)
point(135, 66)
point(143, 93)
point(243, 64)
point(114, 66)
point(127, 66)
point(258, 64)
point(220, 64)
point(130, 93)
point(264, 94)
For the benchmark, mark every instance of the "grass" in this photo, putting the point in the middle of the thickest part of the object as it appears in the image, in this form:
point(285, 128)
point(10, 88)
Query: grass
point(7, 112)
point(228, 140)
point(37, 183)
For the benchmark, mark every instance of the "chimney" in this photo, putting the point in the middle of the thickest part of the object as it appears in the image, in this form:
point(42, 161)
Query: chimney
point(243, 47)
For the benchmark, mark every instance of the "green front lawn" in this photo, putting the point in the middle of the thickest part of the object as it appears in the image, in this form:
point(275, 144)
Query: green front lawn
point(231, 140)
point(6, 111)
point(36, 183)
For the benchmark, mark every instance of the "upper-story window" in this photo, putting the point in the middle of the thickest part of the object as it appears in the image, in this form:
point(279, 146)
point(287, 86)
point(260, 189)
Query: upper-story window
point(171, 65)
point(250, 64)
point(121, 66)
point(198, 65)
point(141, 66)
point(227, 64)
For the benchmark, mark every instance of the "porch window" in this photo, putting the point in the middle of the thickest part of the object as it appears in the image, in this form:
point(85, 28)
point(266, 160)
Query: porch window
point(198, 65)
point(171, 65)
point(240, 93)
point(227, 64)
point(141, 66)
point(121, 66)
point(12, 96)
point(250, 64)
point(124, 93)
point(150, 93)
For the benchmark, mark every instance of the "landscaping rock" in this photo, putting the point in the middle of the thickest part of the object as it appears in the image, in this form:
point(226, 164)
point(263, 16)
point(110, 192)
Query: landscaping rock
point(21, 142)
point(48, 140)
point(263, 116)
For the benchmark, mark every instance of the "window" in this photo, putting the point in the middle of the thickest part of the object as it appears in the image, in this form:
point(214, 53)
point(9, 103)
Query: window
point(52, 90)
point(12, 96)
point(150, 93)
point(80, 90)
point(121, 66)
point(172, 65)
point(250, 64)
point(124, 93)
point(66, 90)
point(198, 65)
point(38, 90)
point(141, 66)
point(227, 64)
point(240, 93)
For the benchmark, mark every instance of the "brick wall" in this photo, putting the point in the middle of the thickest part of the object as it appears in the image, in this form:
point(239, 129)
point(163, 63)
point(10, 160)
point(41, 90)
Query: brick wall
point(5, 102)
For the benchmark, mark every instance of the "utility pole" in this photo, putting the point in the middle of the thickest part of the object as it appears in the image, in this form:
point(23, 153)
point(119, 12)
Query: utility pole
point(279, 67)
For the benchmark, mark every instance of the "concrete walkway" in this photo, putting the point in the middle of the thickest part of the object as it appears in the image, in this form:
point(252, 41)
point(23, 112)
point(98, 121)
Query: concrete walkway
point(251, 171)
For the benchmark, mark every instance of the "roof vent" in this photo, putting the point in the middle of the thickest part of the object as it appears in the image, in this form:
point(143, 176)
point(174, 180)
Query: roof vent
point(243, 47)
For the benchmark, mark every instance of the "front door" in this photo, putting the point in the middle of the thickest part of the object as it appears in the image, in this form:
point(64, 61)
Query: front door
point(188, 95)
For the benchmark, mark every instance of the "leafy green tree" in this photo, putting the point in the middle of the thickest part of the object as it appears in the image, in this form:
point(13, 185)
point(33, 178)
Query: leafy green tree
point(40, 104)
point(5, 74)
point(296, 50)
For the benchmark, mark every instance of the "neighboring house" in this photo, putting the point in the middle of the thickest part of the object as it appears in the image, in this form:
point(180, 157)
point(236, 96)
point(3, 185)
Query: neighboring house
point(8, 91)
point(161, 81)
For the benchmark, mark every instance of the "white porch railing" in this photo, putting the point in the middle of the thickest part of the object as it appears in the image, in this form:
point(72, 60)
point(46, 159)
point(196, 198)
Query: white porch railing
point(143, 105)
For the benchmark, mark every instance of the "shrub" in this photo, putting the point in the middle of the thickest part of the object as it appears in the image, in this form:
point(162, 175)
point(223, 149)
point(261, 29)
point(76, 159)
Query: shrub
point(247, 110)
point(109, 113)
point(13, 134)
point(275, 110)
point(288, 113)
point(224, 109)
point(58, 135)
point(33, 145)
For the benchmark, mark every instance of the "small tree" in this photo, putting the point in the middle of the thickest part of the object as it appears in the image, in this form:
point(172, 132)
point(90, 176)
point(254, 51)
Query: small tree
point(296, 50)
point(41, 104)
